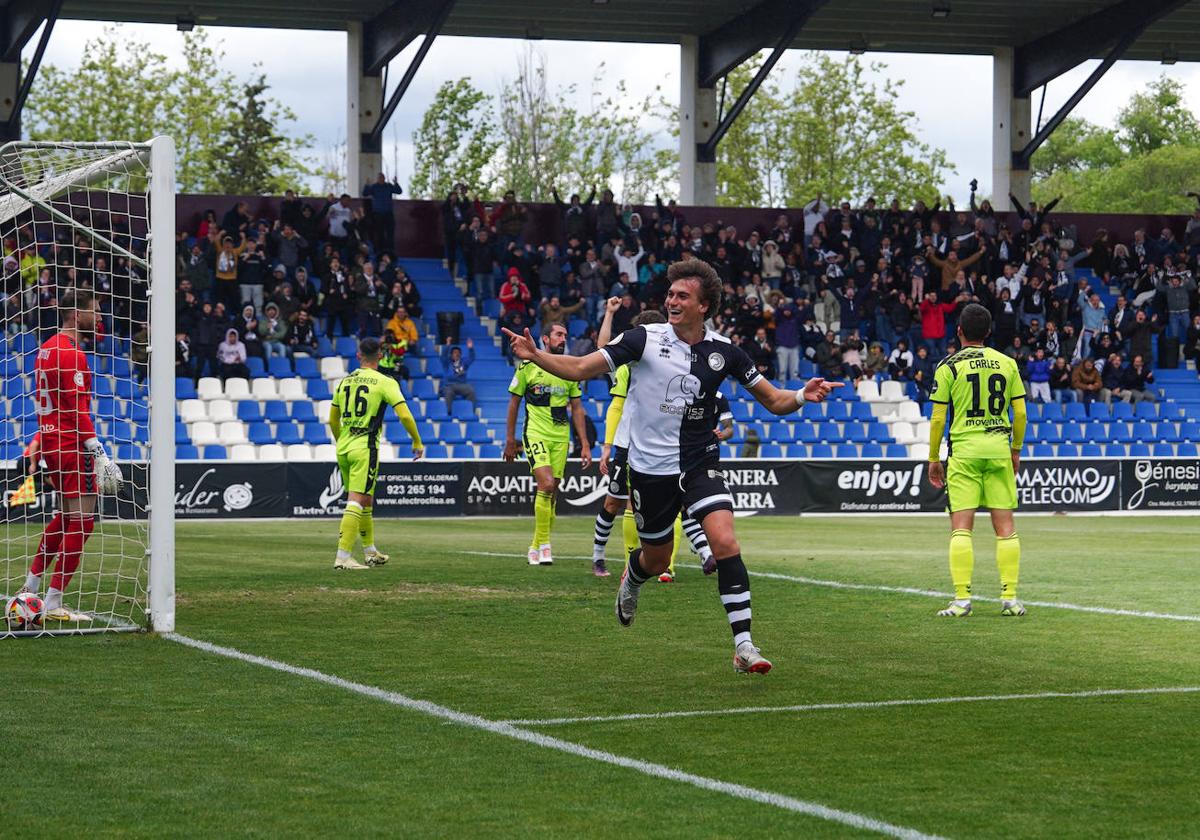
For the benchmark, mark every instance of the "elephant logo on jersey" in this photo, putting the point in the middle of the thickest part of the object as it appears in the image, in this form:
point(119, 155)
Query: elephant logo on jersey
point(684, 389)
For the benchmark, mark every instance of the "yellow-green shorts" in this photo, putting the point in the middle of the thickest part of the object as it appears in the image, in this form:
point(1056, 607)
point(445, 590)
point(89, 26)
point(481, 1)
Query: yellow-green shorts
point(973, 483)
point(551, 454)
point(359, 467)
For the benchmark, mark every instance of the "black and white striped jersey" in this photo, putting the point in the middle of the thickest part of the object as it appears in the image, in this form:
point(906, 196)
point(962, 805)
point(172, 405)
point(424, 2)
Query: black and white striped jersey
point(671, 409)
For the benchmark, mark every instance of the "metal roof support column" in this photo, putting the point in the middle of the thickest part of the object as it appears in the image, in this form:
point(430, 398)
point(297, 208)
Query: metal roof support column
point(1010, 131)
point(18, 22)
point(697, 119)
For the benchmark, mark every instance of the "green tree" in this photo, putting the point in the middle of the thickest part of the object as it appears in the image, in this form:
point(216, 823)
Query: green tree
point(455, 142)
point(256, 157)
point(1076, 145)
point(123, 89)
point(1156, 118)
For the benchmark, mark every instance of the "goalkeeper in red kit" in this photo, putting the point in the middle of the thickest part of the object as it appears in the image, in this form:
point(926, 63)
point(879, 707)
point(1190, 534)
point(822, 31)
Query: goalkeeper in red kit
point(76, 464)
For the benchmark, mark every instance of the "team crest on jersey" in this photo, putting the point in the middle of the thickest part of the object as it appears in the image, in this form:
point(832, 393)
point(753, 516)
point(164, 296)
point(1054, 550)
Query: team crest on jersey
point(716, 361)
point(78, 379)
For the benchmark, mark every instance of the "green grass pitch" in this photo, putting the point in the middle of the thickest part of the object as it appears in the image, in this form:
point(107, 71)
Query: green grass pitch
point(132, 735)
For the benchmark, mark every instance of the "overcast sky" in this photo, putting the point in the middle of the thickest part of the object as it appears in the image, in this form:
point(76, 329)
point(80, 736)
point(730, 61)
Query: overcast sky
point(951, 95)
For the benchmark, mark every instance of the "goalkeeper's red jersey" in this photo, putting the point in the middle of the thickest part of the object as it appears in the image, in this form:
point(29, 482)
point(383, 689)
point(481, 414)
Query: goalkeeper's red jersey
point(64, 395)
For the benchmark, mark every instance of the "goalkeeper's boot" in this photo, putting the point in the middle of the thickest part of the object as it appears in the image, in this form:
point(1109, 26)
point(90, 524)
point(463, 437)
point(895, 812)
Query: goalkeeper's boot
point(747, 659)
point(599, 568)
point(346, 563)
point(64, 614)
point(666, 577)
point(534, 556)
point(956, 609)
point(627, 598)
point(375, 558)
point(1012, 608)
point(545, 557)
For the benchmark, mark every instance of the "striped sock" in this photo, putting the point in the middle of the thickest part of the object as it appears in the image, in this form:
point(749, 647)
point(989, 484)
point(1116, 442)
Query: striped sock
point(695, 534)
point(604, 526)
point(733, 582)
point(635, 574)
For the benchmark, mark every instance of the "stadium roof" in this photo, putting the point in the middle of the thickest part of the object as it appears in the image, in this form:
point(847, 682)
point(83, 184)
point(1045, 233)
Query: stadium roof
point(969, 27)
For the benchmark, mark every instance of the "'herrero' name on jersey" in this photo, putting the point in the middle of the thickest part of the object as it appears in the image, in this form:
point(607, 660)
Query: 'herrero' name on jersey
point(671, 406)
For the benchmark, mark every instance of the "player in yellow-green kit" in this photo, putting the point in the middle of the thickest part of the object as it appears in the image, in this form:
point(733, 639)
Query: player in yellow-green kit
point(974, 391)
point(547, 436)
point(360, 404)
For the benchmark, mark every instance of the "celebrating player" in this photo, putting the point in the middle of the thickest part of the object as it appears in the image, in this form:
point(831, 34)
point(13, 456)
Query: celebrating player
point(979, 384)
point(547, 435)
point(673, 454)
point(76, 464)
point(356, 418)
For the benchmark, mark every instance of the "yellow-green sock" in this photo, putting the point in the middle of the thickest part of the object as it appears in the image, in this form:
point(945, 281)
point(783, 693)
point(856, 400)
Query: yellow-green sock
point(1008, 561)
point(348, 530)
point(366, 529)
point(678, 542)
point(553, 515)
point(962, 563)
point(543, 513)
point(629, 532)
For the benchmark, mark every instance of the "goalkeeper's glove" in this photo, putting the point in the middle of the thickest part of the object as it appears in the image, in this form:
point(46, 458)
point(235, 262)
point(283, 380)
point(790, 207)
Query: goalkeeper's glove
point(108, 475)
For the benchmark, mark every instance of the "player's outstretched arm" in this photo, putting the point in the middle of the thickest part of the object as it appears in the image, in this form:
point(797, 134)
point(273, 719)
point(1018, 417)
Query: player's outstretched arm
point(574, 368)
point(410, 425)
point(780, 401)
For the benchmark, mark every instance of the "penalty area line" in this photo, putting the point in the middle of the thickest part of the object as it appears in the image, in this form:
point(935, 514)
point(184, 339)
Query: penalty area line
point(647, 768)
point(905, 590)
point(865, 704)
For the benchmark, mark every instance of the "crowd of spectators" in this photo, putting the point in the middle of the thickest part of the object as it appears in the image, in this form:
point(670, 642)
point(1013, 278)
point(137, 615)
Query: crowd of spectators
point(872, 290)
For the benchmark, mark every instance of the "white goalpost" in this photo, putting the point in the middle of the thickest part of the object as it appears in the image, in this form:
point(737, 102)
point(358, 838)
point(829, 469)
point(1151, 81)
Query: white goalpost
point(97, 218)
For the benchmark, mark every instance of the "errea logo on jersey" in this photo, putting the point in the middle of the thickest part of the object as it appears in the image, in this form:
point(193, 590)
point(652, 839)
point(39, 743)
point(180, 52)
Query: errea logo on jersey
point(682, 391)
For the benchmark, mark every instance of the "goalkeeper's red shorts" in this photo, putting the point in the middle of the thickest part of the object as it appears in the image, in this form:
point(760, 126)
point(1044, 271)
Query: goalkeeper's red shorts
point(70, 472)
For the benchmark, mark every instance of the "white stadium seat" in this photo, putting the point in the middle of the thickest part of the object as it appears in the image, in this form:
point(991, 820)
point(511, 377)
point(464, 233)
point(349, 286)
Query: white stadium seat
point(868, 391)
point(387, 452)
point(209, 388)
point(204, 433)
point(299, 452)
point(324, 452)
point(270, 452)
point(333, 367)
point(237, 388)
point(264, 389)
point(921, 430)
point(323, 410)
point(232, 433)
point(191, 411)
point(891, 391)
point(909, 411)
point(903, 432)
point(243, 452)
point(918, 450)
point(221, 411)
point(292, 390)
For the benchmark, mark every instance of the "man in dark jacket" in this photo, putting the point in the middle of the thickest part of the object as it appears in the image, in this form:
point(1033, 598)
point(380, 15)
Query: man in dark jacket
point(575, 220)
point(1137, 380)
point(383, 219)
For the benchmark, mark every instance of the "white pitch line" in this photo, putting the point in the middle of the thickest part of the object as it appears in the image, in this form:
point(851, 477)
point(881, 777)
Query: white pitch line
point(762, 797)
point(905, 590)
point(866, 704)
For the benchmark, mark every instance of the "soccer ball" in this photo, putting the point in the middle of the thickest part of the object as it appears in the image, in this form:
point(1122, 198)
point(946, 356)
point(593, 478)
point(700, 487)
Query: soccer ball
point(24, 611)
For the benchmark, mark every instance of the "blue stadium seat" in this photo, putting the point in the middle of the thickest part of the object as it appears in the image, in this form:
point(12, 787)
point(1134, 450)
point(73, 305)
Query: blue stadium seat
point(102, 386)
point(181, 434)
point(186, 452)
point(324, 348)
point(346, 346)
point(287, 434)
point(813, 412)
point(394, 433)
point(1042, 450)
point(872, 450)
point(1169, 433)
point(1033, 411)
point(307, 367)
point(436, 412)
point(464, 450)
point(1161, 450)
point(108, 409)
point(597, 389)
point(1075, 411)
point(728, 452)
point(577, 327)
point(1146, 411)
point(260, 434)
point(847, 450)
point(14, 386)
point(1074, 433)
point(1114, 450)
point(1141, 450)
point(120, 432)
point(820, 450)
point(280, 367)
point(316, 433)
point(1118, 432)
point(795, 451)
point(770, 450)
point(318, 389)
point(1047, 433)
point(804, 433)
point(1052, 412)
point(464, 410)
point(491, 450)
point(425, 430)
point(1143, 431)
point(1189, 430)
point(854, 433)
point(747, 430)
point(1185, 450)
point(256, 366)
point(1121, 411)
point(8, 432)
point(742, 411)
point(130, 452)
point(878, 432)
point(248, 411)
point(304, 412)
point(436, 450)
point(139, 412)
point(896, 450)
point(837, 411)
point(213, 452)
point(779, 433)
point(1098, 411)
point(477, 432)
point(451, 434)
point(275, 411)
point(860, 411)
point(1088, 450)
point(423, 389)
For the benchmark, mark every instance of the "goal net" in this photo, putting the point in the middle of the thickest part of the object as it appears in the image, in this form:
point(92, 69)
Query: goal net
point(81, 220)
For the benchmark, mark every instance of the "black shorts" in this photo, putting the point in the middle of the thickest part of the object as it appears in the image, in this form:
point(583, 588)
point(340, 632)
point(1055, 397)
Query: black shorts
point(618, 473)
point(658, 499)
